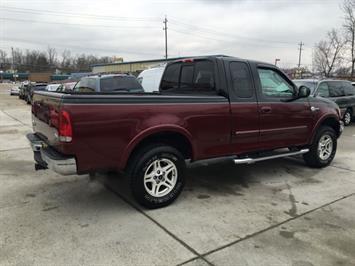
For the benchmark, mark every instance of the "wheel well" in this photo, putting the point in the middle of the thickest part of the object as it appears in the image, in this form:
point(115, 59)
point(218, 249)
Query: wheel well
point(333, 123)
point(176, 140)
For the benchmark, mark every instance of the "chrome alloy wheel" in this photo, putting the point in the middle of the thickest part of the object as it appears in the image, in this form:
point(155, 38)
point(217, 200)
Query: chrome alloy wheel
point(347, 118)
point(160, 177)
point(325, 147)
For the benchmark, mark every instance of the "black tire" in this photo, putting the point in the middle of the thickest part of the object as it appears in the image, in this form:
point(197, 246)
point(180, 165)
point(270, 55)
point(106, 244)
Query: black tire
point(348, 117)
point(142, 162)
point(313, 158)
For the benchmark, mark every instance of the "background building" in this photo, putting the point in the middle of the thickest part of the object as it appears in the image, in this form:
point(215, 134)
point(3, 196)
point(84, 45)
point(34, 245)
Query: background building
point(134, 67)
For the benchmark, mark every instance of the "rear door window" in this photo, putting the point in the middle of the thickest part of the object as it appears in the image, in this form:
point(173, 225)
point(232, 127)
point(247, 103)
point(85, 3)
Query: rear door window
point(241, 80)
point(323, 90)
point(336, 88)
point(348, 89)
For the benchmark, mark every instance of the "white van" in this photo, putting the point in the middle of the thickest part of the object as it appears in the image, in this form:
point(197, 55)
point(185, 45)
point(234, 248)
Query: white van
point(150, 78)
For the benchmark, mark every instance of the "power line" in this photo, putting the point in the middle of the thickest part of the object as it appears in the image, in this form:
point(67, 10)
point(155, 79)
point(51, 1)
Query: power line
point(235, 42)
point(73, 14)
point(77, 24)
point(220, 33)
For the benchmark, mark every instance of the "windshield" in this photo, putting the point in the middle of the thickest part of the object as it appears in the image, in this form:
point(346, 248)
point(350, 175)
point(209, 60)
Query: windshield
point(310, 84)
point(120, 84)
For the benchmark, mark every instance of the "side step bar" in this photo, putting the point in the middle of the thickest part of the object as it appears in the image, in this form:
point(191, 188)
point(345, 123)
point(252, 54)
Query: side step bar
point(280, 155)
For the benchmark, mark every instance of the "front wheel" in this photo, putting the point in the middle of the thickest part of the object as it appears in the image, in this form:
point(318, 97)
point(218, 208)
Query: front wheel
point(323, 148)
point(347, 117)
point(157, 175)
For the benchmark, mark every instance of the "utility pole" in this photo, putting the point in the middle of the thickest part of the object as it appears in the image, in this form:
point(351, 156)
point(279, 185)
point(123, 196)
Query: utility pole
point(12, 56)
point(300, 54)
point(166, 37)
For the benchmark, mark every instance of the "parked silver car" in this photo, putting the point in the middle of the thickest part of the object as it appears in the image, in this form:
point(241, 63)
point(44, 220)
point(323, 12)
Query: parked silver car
point(15, 90)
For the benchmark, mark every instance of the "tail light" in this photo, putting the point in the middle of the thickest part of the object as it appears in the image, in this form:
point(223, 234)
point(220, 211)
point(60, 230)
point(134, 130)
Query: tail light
point(65, 127)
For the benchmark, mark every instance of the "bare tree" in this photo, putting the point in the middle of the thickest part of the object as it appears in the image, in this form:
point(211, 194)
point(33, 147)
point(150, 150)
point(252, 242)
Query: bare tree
point(52, 55)
point(3, 58)
point(348, 8)
point(328, 53)
point(36, 60)
point(66, 59)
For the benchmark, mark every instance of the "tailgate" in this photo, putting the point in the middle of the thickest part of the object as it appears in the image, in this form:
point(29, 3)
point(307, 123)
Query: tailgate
point(45, 116)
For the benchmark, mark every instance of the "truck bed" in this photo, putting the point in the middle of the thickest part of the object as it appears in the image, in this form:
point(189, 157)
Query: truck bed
point(105, 126)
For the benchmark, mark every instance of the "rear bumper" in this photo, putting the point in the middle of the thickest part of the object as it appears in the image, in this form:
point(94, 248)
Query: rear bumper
point(47, 157)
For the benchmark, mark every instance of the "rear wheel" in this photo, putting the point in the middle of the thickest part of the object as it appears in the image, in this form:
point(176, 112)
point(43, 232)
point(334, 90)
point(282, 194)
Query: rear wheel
point(157, 175)
point(347, 117)
point(323, 149)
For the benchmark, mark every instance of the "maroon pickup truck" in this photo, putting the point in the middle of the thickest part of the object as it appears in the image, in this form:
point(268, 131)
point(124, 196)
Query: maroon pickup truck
point(207, 108)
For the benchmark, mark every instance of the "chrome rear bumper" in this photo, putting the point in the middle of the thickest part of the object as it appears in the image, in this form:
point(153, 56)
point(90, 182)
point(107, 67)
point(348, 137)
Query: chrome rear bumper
point(49, 158)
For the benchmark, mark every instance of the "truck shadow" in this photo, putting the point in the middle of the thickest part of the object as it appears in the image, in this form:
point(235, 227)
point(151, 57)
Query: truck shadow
point(227, 179)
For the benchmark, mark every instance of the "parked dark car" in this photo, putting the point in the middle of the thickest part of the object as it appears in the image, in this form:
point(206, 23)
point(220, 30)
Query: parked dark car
point(28, 95)
point(23, 88)
point(108, 83)
point(340, 91)
point(206, 108)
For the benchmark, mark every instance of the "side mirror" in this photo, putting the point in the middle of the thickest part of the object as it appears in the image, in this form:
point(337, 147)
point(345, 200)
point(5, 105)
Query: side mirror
point(303, 92)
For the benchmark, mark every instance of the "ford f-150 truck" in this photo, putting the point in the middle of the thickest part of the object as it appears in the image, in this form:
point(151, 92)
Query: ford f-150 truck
point(206, 108)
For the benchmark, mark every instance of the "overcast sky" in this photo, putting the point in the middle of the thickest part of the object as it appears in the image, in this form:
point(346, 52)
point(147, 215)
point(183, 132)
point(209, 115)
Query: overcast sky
point(254, 29)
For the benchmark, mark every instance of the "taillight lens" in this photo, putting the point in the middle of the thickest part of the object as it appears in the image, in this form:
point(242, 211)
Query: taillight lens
point(65, 127)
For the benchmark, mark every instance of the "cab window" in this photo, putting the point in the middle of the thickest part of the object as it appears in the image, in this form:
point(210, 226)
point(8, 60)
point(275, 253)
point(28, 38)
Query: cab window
point(195, 77)
point(274, 85)
point(170, 80)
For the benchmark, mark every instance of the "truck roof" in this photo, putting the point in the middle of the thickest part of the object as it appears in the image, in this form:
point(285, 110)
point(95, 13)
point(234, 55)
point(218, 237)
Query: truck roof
point(224, 57)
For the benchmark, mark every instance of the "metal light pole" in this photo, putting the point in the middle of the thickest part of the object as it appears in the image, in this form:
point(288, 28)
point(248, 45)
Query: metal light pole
point(166, 37)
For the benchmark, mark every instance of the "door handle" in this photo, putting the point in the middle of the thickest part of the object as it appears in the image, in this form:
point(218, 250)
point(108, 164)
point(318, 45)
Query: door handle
point(313, 109)
point(266, 109)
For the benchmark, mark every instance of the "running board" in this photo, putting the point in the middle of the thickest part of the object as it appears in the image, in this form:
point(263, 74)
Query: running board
point(254, 160)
